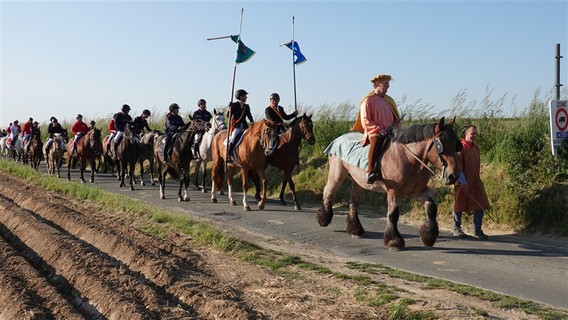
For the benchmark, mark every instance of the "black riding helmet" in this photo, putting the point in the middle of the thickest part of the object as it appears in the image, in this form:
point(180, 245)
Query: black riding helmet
point(173, 106)
point(146, 112)
point(240, 93)
point(275, 96)
point(125, 108)
point(201, 101)
point(52, 118)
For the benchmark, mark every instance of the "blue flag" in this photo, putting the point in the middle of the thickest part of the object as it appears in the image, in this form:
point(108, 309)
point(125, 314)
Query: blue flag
point(295, 47)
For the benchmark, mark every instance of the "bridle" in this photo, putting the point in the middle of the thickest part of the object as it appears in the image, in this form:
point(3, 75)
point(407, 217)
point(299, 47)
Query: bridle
point(437, 144)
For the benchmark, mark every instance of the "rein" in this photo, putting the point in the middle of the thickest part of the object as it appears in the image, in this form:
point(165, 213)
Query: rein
point(423, 163)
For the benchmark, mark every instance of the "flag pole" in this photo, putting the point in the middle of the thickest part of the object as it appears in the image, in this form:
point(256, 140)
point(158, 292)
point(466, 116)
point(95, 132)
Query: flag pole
point(229, 131)
point(294, 68)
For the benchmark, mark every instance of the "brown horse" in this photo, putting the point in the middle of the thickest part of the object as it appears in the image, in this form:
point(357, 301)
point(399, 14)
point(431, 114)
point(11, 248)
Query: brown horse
point(258, 141)
point(88, 147)
point(181, 157)
point(405, 173)
point(287, 156)
point(35, 153)
point(54, 156)
point(127, 153)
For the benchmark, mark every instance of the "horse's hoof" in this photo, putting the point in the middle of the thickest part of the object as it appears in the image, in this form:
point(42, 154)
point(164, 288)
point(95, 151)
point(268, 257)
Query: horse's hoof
point(233, 203)
point(394, 249)
point(142, 183)
point(297, 207)
point(247, 208)
point(222, 193)
point(261, 207)
point(153, 184)
point(131, 188)
point(92, 181)
point(214, 200)
point(180, 199)
point(203, 190)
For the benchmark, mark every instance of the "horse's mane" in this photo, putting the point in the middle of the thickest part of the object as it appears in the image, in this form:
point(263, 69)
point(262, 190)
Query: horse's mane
point(414, 133)
point(420, 132)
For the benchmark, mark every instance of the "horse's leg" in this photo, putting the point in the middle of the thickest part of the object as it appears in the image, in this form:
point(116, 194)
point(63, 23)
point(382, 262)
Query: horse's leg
point(152, 171)
point(429, 230)
point(131, 167)
point(216, 179)
point(69, 164)
point(246, 207)
point(354, 227)
point(185, 179)
point(337, 173)
point(230, 188)
point(264, 183)
point(392, 238)
point(197, 168)
point(121, 173)
point(162, 181)
point(181, 178)
point(204, 176)
point(141, 163)
point(92, 162)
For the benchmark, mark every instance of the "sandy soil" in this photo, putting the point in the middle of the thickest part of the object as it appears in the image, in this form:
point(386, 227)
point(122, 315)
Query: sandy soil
point(63, 259)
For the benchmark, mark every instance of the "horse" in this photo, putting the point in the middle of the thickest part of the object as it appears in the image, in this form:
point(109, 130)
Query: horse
point(107, 161)
point(217, 123)
point(3, 147)
point(405, 172)
point(88, 148)
point(146, 152)
point(35, 151)
point(54, 156)
point(181, 157)
point(127, 154)
point(257, 142)
point(13, 149)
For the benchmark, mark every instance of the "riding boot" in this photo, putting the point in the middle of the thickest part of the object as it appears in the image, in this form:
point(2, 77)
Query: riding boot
point(374, 166)
point(230, 155)
point(114, 152)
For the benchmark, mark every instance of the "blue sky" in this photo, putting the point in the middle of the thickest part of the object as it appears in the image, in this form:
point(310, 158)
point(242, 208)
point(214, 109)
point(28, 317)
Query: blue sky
point(64, 58)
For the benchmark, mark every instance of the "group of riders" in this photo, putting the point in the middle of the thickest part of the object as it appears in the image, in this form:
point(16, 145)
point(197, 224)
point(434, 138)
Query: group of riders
point(239, 112)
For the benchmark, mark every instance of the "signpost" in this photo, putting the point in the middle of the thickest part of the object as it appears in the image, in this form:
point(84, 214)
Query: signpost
point(558, 123)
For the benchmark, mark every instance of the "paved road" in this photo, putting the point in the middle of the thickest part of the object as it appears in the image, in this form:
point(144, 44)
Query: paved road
point(531, 268)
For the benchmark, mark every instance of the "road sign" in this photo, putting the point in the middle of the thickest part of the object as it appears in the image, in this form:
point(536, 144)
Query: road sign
point(558, 123)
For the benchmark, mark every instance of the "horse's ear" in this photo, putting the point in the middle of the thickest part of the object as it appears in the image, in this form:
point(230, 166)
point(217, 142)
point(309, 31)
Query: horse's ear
point(190, 117)
point(452, 122)
point(439, 126)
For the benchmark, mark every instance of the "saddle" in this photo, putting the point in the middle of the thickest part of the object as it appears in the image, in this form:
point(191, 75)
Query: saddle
point(238, 141)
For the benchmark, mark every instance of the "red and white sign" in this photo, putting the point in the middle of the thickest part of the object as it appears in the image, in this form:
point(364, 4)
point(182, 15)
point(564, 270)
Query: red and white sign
point(558, 123)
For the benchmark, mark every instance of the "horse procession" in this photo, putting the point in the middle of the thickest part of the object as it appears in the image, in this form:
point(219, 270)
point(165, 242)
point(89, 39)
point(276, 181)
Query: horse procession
point(234, 145)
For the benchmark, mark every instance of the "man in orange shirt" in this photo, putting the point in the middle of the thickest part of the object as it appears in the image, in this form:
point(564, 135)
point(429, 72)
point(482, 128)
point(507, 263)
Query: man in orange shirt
point(378, 115)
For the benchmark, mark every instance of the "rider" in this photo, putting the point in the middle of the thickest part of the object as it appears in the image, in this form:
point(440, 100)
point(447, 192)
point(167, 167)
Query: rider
point(15, 130)
point(35, 131)
point(202, 114)
point(120, 121)
point(92, 125)
point(78, 130)
point(239, 111)
point(173, 124)
point(26, 133)
point(53, 128)
point(141, 122)
point(378, 115)
point(276, 113)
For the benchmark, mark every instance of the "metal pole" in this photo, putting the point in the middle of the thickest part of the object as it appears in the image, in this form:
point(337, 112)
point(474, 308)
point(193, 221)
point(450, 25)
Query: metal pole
point(294, 68)
point(232, 90)
point(558, 84)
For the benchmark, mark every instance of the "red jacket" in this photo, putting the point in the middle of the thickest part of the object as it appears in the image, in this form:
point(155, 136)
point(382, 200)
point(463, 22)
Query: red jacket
point(111, 127)
point(80, 126)
point(27, 128)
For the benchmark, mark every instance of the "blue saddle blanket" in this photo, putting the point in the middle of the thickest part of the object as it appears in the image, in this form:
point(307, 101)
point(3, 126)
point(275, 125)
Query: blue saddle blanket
point(348, 148)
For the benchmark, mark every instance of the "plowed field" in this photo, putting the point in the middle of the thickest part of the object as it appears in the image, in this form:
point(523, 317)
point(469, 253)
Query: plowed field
point(64, 259)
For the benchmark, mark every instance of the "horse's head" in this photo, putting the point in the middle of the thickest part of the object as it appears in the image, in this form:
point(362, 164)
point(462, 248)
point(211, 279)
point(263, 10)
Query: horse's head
point(442, 151)
point(306, 128)
point(268, 136)
point(95, 141)
point(218, 121)
point(199, 126)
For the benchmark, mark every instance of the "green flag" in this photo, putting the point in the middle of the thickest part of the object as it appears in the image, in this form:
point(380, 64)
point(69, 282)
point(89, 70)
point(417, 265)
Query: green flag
point(244, 53)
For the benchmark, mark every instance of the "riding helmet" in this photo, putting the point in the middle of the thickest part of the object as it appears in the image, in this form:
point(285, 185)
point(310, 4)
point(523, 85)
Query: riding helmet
point(52, 118)
point(125, 108)
point(146, 112)
point(275, 96)
point(79, 116)
point(173, 106)
point(240, 93)
point(201, 101)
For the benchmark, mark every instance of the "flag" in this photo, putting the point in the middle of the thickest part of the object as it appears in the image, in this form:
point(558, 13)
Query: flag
point(244, 53)
point(295, 47)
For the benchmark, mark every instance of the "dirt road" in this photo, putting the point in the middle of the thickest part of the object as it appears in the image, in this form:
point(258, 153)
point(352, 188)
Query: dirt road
point(63, 259)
